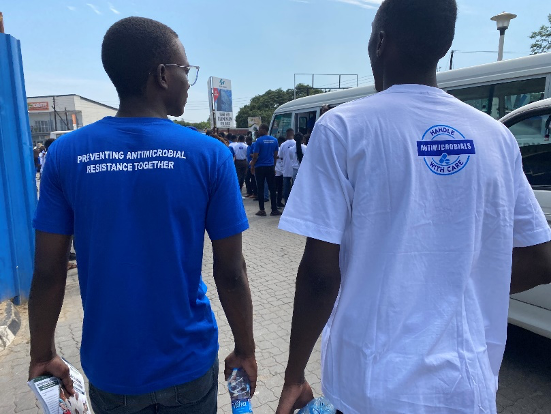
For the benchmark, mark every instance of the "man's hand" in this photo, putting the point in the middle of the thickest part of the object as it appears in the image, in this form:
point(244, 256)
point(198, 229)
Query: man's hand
point(247, 363)
point(55, 367)
point(294, 397)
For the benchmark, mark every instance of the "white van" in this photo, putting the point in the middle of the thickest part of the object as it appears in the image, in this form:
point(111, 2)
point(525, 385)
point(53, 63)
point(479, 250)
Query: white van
point(57, 134)
point(495, 88)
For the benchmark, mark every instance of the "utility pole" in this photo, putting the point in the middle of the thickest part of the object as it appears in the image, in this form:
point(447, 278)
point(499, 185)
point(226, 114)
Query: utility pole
point(1, 23)
point(55, 119)
point(451, 59)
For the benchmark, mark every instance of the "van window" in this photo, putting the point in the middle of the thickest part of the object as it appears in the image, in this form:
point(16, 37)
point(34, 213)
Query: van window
point(305, 122)
point(499, 99)
point(280, 125)
point(532, 135)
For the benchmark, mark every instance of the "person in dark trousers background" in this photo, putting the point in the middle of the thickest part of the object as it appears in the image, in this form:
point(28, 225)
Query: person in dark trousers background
point(250, 182)
point(150, 339)
point(240, 153)
point(279, 175)
point(263, 167)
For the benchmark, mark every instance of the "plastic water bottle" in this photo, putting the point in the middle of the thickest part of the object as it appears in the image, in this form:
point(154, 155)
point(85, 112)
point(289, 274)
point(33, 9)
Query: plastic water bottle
point(240, 392)
point(319, 405)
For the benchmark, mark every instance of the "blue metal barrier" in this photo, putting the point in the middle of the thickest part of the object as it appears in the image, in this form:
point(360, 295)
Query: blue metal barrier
point(17, 177)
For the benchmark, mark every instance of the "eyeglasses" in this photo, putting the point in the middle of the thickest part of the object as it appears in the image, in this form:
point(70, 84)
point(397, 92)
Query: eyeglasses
point(192, 72)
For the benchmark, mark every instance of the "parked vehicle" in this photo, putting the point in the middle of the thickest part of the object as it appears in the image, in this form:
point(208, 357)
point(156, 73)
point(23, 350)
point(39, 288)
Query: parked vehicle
point(495, 88)
point(531, 126)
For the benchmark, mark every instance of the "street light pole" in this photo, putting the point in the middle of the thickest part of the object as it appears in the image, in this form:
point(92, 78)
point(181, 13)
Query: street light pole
point(502, 20)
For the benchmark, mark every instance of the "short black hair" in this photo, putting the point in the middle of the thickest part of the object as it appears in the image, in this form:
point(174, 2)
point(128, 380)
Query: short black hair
point(132, 48)
point(422, 29)
point(264, 127)
point(221, 134)
point(241, 138)
point(48, 142)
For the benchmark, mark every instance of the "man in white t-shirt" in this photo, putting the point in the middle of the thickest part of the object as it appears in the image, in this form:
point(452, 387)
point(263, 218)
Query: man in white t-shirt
point(287, 167)
point(240, 154)
point(416, 208)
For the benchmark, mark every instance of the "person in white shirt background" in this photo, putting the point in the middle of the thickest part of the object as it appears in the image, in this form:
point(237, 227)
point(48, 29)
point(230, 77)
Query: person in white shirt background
point(420, 224)
point(296, 154)
point(240, 154)
point(287, 169)
point(292, 157)
point(279, 174)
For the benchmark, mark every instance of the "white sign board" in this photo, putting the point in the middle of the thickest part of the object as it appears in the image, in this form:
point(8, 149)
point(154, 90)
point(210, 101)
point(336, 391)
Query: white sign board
point(220, 100)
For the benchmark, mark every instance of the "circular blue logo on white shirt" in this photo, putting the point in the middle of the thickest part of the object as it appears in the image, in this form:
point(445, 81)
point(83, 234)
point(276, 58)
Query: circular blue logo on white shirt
point(445, 150)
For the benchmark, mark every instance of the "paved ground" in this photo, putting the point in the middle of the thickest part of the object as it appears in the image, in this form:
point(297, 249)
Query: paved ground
point(525, 382)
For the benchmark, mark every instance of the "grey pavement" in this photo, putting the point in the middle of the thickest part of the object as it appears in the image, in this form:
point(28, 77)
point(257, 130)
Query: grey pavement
point(272, 260)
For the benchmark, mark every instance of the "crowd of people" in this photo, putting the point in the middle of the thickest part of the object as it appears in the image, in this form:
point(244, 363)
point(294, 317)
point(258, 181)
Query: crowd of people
point(39, 153)
point(267, 166)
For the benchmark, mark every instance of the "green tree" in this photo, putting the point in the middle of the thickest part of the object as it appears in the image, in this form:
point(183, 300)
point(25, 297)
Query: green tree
point(542, 39)
point(264, 105)
point(199, 125)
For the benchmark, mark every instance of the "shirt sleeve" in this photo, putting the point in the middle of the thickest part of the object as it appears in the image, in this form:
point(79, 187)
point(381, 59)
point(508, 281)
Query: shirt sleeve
point(530, 227)
point(53, 214)
point(320, 204)
point(225, 202)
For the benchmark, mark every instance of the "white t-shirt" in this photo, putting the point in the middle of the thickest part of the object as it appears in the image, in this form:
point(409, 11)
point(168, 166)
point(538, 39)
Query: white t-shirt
point(279, 166)
point(293, 156)
point(240, 150)
point(427, 197)
point(283, 154)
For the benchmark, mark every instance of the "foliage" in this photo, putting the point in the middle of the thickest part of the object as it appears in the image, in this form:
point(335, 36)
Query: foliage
point(542, 39)
point(264, 105)
point(199, 125)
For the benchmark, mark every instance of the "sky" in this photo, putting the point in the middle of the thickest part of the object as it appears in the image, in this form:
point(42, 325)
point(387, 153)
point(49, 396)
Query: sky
point(257, 44)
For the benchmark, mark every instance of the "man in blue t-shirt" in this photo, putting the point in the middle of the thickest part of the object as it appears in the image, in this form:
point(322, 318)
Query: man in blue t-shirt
point(263, 167)
point(250, 182)
point(138, 192)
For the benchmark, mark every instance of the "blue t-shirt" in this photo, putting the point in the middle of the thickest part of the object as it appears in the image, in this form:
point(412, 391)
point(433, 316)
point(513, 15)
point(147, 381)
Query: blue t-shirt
point(250, 151)
point(138, 194)
point(265, 146)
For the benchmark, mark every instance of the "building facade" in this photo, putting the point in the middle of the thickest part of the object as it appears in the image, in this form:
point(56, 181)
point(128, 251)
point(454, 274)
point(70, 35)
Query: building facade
point(63, 113)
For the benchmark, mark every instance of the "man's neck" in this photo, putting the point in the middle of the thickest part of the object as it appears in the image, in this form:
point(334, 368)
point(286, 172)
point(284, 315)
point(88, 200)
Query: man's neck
point(137, 107)
point(404, 77)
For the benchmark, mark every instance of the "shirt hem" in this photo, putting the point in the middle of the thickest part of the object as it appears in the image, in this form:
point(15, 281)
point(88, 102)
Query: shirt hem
point(51, 228)
point(337, 402)
point(533, 238)
point(154, 386)
point(229, 231)
point(309, 229)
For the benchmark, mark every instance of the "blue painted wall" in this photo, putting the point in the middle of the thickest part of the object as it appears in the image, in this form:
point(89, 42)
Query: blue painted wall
point(17, 177)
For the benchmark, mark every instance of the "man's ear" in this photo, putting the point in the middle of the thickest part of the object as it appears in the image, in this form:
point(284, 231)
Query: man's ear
point(381, 43)
point(160, 76)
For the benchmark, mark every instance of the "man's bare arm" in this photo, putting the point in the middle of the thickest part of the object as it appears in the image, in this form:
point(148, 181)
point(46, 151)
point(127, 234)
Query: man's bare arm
point(531, 267)
point(318, 283)
point(254, 159)
point(45, 301)
point(230, 276)
point(317, 287)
